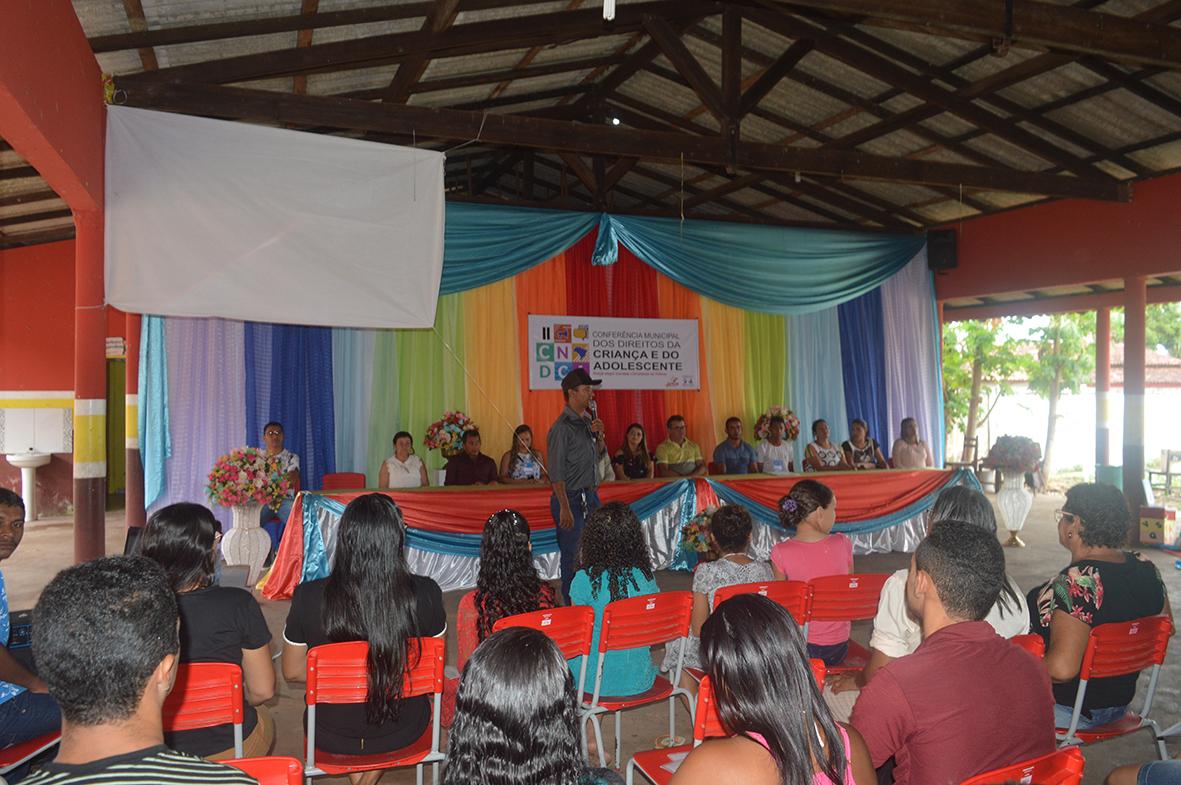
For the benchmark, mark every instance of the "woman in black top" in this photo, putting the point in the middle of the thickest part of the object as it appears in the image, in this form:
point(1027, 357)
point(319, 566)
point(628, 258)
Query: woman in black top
point(217, 624)
point(370, 596)
point(1103, 584)
point(633, 461)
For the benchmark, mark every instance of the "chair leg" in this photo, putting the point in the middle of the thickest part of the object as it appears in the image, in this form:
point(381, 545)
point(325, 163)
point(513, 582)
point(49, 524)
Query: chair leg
point(418, 774)
point(599, 739)
point(618, 739)
point(672, 721)
point(631, 767)
point(435, 773)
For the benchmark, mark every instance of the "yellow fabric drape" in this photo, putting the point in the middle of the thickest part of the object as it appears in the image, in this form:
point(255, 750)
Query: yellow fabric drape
point(492, 370)
point(725, 356)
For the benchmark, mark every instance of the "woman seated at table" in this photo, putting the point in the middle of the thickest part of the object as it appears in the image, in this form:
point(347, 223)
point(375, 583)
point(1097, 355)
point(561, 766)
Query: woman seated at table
point(521, 465)
point(862, 452)
point(909, 451)
point(633, 461)
point(403, 469)
point(1104, 583)
point(820, 455)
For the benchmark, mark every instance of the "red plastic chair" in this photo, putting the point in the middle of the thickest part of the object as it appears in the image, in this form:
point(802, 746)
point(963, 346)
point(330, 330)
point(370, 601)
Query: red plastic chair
point(17, 754)
point(1115, 650)
point(1064, 767)
point(1034, 644)
point(650, 620)
point(795, 596)
point(206, 694)
point(338, 673)
point(272, 770)
point(343, 481)
point(847, 598)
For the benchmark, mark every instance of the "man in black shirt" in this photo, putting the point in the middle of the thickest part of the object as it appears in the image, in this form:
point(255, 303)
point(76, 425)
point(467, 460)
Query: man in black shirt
point(470, 467)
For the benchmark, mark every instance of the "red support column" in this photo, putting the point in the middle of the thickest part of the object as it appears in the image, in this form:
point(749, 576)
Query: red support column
point(1102, 386)
point(136, 514)
point(90, 389)
point(1135, 304)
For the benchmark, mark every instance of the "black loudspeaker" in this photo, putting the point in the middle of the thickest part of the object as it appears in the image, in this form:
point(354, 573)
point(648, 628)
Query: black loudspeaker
point(941, 251)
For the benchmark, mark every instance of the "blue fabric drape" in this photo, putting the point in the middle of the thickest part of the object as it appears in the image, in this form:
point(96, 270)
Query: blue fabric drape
point(289, 379)
point(352, 376)
point(816, 384)
point(155, 440)
point(863, 362)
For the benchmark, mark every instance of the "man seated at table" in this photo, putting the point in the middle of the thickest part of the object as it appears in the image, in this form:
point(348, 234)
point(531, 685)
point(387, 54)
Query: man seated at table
point(676, 456)
point(775, 454)
point(470, 467)
point(734, 455)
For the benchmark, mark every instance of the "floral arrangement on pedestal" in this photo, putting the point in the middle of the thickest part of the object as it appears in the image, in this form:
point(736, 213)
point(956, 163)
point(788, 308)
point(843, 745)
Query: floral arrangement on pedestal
point(790, 421)
point(245, 476)
point(1014, 453)
point(695, 535)
point(446, 433)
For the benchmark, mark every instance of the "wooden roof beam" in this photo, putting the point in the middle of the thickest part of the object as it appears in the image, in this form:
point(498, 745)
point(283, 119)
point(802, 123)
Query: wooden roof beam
point(774, 75)
point(670, 43)
point(441, 17)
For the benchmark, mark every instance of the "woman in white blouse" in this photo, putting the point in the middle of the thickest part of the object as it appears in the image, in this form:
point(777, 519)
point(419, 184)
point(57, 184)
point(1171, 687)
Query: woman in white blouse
point(820, 455)
point(911, 452)
point(403, 469)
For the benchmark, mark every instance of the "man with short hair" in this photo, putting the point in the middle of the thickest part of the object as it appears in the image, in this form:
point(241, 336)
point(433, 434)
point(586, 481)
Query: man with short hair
point(470, 467)
point(925, 710)
point(735, 455)
point(775, 454)
point(274, 522)
point(677, 456)
point(107, 644)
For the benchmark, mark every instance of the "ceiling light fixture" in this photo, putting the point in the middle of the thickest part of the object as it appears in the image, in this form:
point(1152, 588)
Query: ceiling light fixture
point(608, 10)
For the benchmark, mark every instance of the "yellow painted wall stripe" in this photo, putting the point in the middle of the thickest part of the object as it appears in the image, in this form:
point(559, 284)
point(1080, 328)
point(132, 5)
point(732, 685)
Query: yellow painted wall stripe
point(90, 439)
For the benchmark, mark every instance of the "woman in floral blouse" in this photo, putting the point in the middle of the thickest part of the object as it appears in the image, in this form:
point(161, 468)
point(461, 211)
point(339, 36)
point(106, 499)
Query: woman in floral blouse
point(1103, 584)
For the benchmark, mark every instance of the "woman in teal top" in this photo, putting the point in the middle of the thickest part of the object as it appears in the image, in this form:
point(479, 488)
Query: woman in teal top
point(613, 564)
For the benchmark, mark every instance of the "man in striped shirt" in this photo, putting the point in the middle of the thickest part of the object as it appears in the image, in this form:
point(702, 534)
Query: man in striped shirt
point(106, 643)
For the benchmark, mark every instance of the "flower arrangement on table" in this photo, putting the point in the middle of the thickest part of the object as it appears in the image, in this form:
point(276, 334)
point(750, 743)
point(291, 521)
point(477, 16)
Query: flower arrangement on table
point(446, 434)
point(247, 476)
point(790, 421)
point(1014, 453)
point(695, 535)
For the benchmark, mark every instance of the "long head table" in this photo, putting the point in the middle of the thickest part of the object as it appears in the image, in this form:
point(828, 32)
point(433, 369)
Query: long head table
point(880, 510)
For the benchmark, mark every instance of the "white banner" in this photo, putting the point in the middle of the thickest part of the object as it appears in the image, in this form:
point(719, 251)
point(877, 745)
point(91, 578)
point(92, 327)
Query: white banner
point(627, 354)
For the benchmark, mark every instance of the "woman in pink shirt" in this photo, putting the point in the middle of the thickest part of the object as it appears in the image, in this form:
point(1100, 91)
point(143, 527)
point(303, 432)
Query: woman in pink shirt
point(811, 509)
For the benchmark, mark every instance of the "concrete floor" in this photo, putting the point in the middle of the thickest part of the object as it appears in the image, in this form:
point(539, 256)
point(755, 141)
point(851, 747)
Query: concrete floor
point(47, 548)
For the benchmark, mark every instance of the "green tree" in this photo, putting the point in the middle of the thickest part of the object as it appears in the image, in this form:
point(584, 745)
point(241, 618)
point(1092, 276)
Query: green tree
point(979, 358)
point(1065, 360)
point(1162, 327)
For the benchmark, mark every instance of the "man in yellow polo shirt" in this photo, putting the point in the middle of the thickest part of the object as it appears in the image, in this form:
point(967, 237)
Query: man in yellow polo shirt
point(676, 456)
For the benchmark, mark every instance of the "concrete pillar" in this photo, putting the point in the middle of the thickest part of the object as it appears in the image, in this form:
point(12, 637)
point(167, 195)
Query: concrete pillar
point(1102, 386)
point(90, 389)
point(136, 515)
point(1135, 305)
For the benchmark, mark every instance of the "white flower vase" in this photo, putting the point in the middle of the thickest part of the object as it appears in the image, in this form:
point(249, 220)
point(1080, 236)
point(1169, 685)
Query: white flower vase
point(247, 543)
point(1015, 501)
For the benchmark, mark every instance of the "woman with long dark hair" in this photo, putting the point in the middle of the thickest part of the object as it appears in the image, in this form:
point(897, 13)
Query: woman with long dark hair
point(767, 697)
point(521, 465)
point(632, 460)
point(370, 596)
point(217, 624)
point(516, 719)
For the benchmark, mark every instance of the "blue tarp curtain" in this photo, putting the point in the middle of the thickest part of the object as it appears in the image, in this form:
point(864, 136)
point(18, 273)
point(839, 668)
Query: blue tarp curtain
point(863, 363)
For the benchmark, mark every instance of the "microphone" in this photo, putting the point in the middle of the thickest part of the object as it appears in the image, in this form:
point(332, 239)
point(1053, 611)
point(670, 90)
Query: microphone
point(593, 409)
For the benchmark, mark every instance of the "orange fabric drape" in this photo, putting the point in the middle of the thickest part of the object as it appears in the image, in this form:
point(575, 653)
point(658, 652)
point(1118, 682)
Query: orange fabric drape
point(677, 302)
point(540, 290)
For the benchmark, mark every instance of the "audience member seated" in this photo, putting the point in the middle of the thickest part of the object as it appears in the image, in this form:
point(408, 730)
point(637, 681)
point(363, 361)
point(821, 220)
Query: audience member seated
point(861, 451)
point(371, 596)
point(1103, 583)
point(767, 696)
point(811, 510)
point(1157, 772)
point(633, 461)
point(775, 455)
point(677, 456)
point(217, 624)
point(896, 633)
point(26, 710)
point(613, 564)
point(521, 465)
point(820, 455)
point(470, 467)
point(734, 455)
point(275, 521)
point(909, 451)
point(107, 645)
point(403, 469)
point(730, 530)
point(516, 719)
point(927, 710)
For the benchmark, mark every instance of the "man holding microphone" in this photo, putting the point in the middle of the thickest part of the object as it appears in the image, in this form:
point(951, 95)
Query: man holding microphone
point(574, 443)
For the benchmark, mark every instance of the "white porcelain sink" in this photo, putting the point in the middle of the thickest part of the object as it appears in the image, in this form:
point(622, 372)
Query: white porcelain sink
point(28, 463)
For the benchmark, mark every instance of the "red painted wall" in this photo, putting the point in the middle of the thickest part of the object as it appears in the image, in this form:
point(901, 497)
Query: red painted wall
point(37, 317)
point(1068, 242)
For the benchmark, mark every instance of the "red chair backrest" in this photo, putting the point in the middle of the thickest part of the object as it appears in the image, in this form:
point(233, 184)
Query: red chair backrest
point(645, 621)
point(796, 596)
point(1032, 644)
point(272, 770)
point(343, 481)
point(572, 628)
point(819, 671)
point(1126, 647)
point(846, 597)
point(205, 694)
point(338, 672)
point(706, 722)
point(1064, 767)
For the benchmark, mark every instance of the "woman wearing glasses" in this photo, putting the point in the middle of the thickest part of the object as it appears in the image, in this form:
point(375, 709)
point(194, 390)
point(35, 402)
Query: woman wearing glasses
point(1104, 583)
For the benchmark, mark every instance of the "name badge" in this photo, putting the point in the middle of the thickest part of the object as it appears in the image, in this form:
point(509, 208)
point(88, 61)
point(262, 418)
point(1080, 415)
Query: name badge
point(777, 465)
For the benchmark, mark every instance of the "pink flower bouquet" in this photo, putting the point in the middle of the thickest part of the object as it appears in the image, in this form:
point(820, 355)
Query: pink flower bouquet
point(247, 476)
